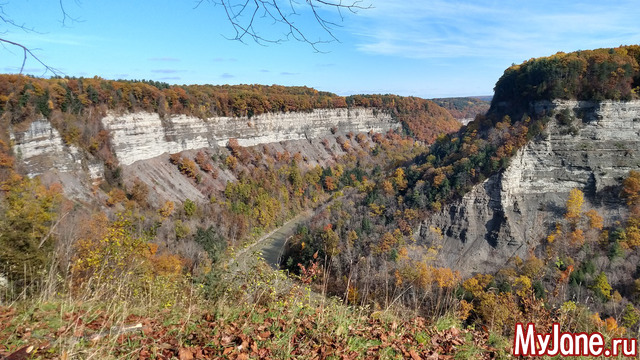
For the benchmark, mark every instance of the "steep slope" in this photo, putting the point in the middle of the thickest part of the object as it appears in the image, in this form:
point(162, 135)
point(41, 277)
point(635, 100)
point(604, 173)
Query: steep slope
point(580, 114)
point(511, 211)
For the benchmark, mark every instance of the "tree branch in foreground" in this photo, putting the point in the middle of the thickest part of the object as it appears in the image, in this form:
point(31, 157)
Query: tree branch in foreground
point(27, 52)
point(244, 14)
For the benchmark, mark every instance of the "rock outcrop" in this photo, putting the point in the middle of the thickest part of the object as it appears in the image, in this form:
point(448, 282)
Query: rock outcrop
point(509, 213)
point(141, 136)
point(40, 149)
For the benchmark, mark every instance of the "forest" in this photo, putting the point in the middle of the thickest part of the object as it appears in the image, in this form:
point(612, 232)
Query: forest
point(612, 74)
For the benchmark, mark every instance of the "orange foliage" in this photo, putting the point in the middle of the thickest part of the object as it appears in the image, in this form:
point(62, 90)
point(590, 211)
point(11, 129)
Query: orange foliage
point(576, 237)
point(116, 196)
point(595, 220)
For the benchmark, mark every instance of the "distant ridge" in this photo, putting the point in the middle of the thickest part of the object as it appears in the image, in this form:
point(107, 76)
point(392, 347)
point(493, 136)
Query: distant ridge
point(465, 109)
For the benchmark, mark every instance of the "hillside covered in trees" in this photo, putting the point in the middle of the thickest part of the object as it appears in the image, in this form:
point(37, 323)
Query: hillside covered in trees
point(465, 108)
point(602, 74)
point(130, 260)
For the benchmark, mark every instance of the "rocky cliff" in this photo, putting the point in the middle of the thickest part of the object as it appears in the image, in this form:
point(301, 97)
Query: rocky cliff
point(143, 136)
point(592, 148)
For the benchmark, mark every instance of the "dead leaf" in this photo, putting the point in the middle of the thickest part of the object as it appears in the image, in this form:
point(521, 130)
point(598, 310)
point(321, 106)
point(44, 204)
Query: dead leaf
point(185, 354)
point(414, 355)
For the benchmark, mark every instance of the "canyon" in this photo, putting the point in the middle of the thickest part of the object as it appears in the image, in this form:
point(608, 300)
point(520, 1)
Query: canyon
point(509, 213)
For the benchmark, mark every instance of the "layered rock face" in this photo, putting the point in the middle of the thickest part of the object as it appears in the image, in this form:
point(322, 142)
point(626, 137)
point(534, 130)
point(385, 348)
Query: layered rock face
point(509, 213)
point(41, 151)
point(40, 148)
point(143, 136)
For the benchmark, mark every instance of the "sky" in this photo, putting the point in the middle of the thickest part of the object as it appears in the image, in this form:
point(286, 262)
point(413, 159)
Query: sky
point(419, 48)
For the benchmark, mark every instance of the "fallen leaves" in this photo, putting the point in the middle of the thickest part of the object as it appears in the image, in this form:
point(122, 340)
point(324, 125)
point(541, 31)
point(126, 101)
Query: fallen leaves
point(257, 332)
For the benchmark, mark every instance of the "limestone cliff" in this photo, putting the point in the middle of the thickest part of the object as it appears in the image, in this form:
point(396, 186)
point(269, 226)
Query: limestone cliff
point(143, 136)
point(510, 212)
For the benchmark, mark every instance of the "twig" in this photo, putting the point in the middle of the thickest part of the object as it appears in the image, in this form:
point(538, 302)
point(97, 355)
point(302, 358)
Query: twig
point(242, 15)
point(27, 52)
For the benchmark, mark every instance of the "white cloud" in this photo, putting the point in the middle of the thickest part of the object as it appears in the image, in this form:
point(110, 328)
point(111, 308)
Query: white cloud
point(454, 29)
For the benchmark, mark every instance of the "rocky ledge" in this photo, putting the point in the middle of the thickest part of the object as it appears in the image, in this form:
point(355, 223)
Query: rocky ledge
point(509, 213)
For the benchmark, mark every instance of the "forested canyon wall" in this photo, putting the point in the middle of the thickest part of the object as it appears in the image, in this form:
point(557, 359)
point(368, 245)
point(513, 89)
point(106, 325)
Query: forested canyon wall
point(592, 146)
point(142, 136)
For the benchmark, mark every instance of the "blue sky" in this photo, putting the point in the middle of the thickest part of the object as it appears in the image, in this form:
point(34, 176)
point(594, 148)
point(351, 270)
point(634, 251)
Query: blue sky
point(408, 47)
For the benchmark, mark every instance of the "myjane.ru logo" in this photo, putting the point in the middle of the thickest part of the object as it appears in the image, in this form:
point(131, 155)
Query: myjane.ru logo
point(528, 342)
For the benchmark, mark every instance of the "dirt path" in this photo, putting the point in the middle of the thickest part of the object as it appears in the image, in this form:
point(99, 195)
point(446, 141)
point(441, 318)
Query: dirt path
point(272, 244)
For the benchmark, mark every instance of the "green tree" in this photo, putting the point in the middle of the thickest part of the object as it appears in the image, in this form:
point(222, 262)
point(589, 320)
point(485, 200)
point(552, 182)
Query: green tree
point(601, 287)
point(630, 317)
point(190, 207)
point(28, 211)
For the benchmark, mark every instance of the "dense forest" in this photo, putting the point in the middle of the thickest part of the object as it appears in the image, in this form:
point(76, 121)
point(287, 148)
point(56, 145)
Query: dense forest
point(367, 243)
point(583, 75)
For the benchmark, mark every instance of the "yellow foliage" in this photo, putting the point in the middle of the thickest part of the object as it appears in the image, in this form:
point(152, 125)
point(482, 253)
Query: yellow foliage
point(631, 188)
point(366, 186)
point(633, 236)
point(403, 253)
point(553, 236)
point(596, 320)
point(533, 267)
point(116, 196)
point(410, 214)
point(399, 179)
point(568, 306)
point(576, 237)
point(167, 264)
point(477, 284)
point(28, 210)
point(376, 210)
point(437, 231)
point(387, 187)
point(352, 295)
point(498, 311)
point(352, 236)
point(110, 257)
point(231, 162)
point(522, 285)
point(166, 210)
point(445, 277)
point(574, 204)
point(387, 242)
point(464, 310)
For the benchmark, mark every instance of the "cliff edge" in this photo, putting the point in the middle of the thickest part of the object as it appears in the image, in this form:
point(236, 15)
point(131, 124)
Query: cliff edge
point(592, 146)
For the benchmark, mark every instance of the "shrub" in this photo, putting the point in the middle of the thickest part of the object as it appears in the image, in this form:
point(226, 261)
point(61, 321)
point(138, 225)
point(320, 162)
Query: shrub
point(190, 207)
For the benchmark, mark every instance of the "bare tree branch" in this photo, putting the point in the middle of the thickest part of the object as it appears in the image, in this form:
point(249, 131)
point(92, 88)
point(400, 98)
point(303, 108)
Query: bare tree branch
point(66, 16)
point(243, 15)
point(27, 52)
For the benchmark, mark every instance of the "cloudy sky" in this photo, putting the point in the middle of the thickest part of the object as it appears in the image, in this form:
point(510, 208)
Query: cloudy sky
point(409, 47)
